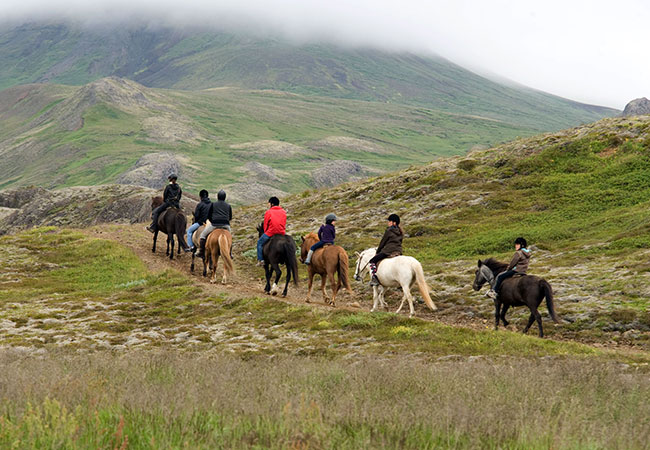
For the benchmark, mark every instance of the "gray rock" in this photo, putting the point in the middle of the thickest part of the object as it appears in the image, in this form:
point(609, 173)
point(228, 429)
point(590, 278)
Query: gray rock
point(152, 170)
point(637, 107)
point(336, 172)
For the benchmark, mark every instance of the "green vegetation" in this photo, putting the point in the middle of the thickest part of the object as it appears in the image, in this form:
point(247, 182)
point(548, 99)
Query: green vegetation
point(580, 197)
point(296, 377)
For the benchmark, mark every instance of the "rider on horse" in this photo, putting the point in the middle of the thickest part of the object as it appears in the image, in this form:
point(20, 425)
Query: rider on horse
point(220, 215)
point(326, 235)
point(390, 246)
point(518, 265)
point(275, 222)
point(171, 198)
point(200, 215)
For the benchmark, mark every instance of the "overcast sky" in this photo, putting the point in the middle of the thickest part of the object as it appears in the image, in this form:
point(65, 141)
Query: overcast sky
point(592, 51)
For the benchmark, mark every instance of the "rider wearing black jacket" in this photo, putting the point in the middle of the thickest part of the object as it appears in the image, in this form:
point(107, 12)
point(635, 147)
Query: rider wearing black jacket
point(171, 198)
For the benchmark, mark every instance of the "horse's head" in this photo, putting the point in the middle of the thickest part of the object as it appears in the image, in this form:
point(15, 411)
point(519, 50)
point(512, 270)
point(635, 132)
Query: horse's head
point(363, 261)
point(307, 241)
point(482, 275)
point(260, 229)
point(156, 202)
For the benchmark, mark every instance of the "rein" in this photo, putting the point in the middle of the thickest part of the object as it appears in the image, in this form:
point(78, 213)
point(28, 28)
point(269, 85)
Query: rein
point(488, 275)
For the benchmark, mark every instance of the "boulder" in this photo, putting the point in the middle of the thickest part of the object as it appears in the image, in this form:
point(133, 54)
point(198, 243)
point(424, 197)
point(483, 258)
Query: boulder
point(637, 107)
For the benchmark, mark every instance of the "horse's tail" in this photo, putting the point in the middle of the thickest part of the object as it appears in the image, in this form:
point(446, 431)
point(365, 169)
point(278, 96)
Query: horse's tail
point(422, 285)
point(180, 225)
point(548, 293)
point(224, 251)
point(344, 276)
point(292, 262)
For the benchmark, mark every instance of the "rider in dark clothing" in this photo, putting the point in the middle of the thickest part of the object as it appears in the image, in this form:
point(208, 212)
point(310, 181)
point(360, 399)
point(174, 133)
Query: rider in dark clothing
point(390, 245)
point(326, 235)
point(200, 216)
point(171, 198)
point(220, 215)
point(518, 265)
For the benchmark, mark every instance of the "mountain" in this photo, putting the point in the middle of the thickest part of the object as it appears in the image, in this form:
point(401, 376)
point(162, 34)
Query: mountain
point(191, 60)
point(254, 142)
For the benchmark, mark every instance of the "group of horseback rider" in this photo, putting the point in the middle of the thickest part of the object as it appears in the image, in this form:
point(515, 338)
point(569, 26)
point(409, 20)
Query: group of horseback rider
point(219, 214)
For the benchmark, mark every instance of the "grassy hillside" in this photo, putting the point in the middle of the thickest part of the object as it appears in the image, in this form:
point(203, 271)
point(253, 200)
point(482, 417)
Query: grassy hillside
point(101, 351)
point(186, 59)
point(56, 135)
point(580, 197)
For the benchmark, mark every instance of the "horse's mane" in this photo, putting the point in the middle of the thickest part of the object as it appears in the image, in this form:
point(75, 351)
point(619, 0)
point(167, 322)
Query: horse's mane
point(312, 235)
point(495, 266)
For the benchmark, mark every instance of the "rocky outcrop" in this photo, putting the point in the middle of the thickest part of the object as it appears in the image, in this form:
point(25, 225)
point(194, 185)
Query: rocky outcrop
point(262, 173)
point(152, 170)
point(336, 172)
point(77, 206)
point(637, 107)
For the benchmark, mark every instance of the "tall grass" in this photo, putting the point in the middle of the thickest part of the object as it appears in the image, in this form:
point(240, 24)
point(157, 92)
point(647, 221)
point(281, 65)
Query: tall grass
point(173, 400)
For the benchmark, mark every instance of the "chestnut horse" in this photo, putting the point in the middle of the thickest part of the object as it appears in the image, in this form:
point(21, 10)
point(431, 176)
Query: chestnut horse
point(326, 262)
point(171, 221)
point(218, 244)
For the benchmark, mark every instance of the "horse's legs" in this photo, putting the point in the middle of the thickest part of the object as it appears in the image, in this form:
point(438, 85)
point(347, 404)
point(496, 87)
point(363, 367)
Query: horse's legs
point(278, 273)
point(538, 317)
point(531, 319)
point(382, 299)
point(310, 286)
point(192, 265)
point(267, 273)
point(286, 284)
point(334, 287)
point(155, 237)
point(497, 312)
point(375, 298)
point(504, 308)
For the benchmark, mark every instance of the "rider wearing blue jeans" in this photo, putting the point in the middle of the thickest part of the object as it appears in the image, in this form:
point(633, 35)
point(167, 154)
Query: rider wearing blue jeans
point(200, 215)
point(275, 222)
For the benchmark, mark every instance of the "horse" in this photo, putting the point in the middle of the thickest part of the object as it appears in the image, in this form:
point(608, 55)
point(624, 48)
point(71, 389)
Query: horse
point(280, 249)
point(171, 221)
point(404, 271)
point(218, 244)
point(526, 290)
point(326, 262)
point(196, 237)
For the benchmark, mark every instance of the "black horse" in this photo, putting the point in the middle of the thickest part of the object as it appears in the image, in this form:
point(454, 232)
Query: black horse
point(280, 249)
point(526, 290)
point(171, 221)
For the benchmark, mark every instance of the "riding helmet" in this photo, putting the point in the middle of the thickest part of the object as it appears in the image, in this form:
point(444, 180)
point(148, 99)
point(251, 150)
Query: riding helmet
point(330, 218)
point(221, 195)
point(394, 218)
point(203, 193)
point(172, 176)
point(521, 241)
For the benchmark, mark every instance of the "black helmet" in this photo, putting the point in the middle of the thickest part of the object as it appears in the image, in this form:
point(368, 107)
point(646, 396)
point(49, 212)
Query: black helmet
point(203, 193)
point(330, 218)
point(521, 241)
point(274, 201)
point(172, 176)
point(394, 218)
point(221, 195)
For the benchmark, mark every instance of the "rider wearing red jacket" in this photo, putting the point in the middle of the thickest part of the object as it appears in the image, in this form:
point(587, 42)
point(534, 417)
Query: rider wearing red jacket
point(275, 222)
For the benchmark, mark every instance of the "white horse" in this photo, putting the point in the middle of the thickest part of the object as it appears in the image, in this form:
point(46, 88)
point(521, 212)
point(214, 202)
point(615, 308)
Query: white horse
point(404, 271)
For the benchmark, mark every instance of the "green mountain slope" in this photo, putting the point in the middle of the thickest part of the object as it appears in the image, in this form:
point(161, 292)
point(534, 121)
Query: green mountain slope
point(255, 142)
point(197, 60)
point(581, 197)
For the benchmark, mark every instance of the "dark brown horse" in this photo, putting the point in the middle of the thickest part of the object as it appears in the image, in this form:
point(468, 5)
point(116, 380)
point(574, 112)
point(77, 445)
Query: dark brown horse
point(526, 290)
point(171, 221)
point(326, 262)
point(280, 249)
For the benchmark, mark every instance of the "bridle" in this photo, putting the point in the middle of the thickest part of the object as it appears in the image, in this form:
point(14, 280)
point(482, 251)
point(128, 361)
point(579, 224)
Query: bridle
point(359, 272)
point(487, 274)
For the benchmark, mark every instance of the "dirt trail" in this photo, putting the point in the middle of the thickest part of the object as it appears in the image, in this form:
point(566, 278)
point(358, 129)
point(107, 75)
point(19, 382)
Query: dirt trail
point(248, 282)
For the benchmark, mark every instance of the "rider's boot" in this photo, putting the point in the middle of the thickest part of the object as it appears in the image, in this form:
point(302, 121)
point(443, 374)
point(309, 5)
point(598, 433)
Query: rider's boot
point(374, 281)
point(491, 293)
point(201, 252)
point(308, 258)
point(151, 228)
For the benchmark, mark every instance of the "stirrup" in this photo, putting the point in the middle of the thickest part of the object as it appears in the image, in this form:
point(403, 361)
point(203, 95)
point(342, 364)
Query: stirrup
point(374, 281)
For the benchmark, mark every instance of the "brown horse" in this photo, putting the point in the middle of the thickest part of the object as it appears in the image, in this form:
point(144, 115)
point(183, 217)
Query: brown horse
point(196, 237)
point(326, 262)
point(171, 221)
point(218, 244)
